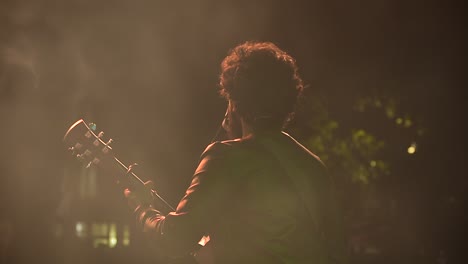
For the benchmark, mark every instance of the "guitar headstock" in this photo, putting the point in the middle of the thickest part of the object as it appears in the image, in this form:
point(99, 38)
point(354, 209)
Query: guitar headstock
point(85, 145)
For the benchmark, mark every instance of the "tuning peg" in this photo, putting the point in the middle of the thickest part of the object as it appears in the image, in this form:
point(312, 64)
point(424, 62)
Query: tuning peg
point(101, 134)
point(80, 156)
point(92, 126)
point(105, 150)
point(72, 150)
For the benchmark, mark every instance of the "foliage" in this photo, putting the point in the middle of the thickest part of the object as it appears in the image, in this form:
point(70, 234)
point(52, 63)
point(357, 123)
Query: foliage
point(357, 152)
point(363, 144)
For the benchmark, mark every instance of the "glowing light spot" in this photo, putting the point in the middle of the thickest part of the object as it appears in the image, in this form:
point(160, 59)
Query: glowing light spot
point(407, 123)
point(399, 121)
point(112, 235)
point(412, 148)
point(390, 112)
point(420, 132)
point(373, 163)
point(126, 236)
point(204, 240)
point(80, 229)
point(112, 242)
point(378, 103)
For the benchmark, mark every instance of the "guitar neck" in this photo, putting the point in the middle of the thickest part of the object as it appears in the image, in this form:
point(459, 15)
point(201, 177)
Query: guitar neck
point(131, 176)
point(132, 179)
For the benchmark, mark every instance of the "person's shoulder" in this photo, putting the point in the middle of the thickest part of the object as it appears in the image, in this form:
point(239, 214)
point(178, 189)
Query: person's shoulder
point(305, 150)
point(221, 147)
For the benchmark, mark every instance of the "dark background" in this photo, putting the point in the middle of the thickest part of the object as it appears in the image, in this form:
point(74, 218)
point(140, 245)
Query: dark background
point(146, 72)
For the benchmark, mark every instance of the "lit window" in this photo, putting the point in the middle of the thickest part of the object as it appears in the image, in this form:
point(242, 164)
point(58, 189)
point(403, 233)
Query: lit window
point(106, 234)
point(100, 232)
point(99, 229)
point(100, 241)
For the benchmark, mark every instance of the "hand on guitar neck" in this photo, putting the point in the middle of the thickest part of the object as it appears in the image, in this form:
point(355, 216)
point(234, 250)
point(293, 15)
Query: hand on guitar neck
point(140, 196)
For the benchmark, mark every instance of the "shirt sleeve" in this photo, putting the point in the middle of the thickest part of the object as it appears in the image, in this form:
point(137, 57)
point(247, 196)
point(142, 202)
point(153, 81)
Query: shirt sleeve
point(203, 203)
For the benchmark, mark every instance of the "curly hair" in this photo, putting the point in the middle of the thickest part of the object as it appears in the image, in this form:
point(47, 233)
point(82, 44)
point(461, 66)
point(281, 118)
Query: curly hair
point(262, 82)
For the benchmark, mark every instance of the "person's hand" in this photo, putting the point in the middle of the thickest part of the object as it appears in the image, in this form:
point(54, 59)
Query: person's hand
point(142, 196)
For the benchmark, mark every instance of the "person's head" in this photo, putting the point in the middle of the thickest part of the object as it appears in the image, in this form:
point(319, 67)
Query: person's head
point(261, 83)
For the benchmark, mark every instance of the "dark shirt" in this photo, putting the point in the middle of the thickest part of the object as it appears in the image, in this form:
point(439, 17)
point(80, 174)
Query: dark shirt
point(244, 198)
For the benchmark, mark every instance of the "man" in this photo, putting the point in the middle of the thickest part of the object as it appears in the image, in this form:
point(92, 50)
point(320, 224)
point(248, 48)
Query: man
point(261, 197)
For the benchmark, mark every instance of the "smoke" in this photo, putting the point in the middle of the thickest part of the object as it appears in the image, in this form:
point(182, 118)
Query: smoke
point(136, 68)
point(146, 73)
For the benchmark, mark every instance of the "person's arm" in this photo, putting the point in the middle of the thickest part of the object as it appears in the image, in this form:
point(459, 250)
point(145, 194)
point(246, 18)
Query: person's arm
point(179, 231)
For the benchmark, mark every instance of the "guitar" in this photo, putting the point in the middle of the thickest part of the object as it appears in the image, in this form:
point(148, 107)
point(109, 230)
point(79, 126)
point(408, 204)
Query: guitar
point(91, 149)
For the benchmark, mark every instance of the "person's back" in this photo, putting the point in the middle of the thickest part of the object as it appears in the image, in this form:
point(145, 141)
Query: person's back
point(265, 219)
